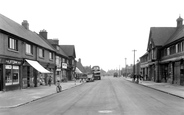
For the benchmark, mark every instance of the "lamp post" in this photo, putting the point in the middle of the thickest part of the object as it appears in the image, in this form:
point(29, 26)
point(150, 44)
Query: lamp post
point(134, 65)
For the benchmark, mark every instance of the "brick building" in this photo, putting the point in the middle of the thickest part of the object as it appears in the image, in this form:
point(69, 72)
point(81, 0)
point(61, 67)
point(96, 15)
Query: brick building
point(163, 61)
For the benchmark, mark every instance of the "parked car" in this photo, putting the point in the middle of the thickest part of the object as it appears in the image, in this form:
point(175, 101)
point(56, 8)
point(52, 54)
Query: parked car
point(90, 78)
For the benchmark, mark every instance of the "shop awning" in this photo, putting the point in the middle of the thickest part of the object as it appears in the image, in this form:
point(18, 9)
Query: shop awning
point(77, 70)
point(37, 66)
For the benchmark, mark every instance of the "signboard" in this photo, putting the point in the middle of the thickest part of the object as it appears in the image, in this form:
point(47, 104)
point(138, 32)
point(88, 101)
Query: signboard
point(12, 62)
point(64, 65)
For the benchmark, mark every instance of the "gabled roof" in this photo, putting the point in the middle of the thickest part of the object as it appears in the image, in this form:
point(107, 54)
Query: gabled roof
point(16, 29)
point(62, 52)
point(69, 50)
point(80, 67)
point(179, 33)
point(160, 35)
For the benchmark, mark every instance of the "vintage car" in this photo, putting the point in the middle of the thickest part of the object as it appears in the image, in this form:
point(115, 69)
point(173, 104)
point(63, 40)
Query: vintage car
point(90, 78)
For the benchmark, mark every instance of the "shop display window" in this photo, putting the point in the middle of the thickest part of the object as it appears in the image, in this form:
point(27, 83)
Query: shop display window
point(11, 74)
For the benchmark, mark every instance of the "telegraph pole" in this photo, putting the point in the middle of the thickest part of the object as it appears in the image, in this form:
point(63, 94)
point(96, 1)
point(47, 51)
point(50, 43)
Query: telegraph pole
point(125, 68)
point(134, 65)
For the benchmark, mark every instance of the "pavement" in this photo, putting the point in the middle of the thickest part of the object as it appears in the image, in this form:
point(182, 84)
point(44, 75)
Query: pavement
point(172, 89)
point(11, 99)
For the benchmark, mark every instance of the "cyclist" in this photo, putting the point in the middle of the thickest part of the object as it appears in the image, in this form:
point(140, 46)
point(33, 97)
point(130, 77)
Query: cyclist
point(58, 86)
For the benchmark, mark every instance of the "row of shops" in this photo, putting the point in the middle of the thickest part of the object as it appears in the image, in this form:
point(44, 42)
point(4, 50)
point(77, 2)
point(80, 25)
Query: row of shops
point(169, 72)
point(19, 74)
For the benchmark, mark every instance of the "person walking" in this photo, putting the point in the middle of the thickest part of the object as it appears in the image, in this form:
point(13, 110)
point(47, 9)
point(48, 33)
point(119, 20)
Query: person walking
point(50, 80)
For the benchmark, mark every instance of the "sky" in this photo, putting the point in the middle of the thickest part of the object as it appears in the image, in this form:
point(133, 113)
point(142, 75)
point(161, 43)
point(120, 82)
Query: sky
point(104, 32)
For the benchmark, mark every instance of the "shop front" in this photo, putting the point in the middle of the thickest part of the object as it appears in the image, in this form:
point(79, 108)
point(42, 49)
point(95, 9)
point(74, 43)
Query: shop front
point(10, 74)
point(34, 74)
point(64, 72)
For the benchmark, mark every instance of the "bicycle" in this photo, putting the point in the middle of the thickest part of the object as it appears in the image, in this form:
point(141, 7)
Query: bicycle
point(58, 87)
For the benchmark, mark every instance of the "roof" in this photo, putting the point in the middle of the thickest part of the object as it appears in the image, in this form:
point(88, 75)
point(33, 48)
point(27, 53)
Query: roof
point(160, 35)
point(60, 49)
point(69, 50)
point(80, 67)
point(179, 33)
point(16, 29)
point(62, 52)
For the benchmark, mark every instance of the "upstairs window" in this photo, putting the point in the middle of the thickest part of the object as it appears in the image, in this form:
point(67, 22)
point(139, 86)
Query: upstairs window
point(168, 51)
point(50, 55)
point(13, 44)
point(41, 53)
point(176, 48)
point(29, 49)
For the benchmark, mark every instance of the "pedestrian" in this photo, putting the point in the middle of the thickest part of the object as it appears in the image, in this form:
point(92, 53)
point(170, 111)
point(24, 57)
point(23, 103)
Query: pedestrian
point(50, 80)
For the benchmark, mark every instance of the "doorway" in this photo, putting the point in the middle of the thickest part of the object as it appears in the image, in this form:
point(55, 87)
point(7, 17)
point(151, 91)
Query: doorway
point(1, 77)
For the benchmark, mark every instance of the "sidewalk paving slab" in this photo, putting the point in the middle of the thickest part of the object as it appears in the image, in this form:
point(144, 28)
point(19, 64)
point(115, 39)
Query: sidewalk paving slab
point(17, 98)
point(168, 88)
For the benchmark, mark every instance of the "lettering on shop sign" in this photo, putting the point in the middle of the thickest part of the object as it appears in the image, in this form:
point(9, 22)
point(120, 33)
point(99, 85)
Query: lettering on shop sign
point(12, 62)
point(64, 65)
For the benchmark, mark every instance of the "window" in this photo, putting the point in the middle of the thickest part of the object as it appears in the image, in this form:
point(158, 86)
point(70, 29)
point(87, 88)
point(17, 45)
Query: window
point(181, 46)
point(13, 44)
point(41, 53)
point(168, 51)
point(50, 56)
point(11, 74)
point(176, 48)
point(29, 49)
point(63, 60)
point(152, 54)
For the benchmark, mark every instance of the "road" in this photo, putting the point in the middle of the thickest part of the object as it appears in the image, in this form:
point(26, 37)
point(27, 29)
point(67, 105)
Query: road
point(109, 96)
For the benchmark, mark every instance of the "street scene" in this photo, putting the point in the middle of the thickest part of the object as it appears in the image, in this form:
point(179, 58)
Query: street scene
point(91, 57)
point(112, 96)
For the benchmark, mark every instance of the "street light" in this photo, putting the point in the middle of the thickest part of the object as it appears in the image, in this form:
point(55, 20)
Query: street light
point(134, 64)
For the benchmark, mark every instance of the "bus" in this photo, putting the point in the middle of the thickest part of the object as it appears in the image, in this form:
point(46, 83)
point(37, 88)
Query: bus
point(96, 72)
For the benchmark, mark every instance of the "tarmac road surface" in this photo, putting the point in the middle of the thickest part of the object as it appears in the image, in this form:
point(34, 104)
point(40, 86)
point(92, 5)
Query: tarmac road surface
point(109, 96)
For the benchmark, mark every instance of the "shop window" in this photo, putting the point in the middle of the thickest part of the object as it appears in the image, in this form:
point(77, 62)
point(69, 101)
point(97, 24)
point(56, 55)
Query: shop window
point(11, 75)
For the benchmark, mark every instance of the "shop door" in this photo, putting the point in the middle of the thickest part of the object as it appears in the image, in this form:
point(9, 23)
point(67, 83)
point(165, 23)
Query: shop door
point(177, 73)
point(1, 77)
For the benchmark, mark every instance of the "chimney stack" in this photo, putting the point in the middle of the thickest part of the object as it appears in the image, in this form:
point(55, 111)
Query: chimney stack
point(43, 33)
point(55, 41)
point(25, 24)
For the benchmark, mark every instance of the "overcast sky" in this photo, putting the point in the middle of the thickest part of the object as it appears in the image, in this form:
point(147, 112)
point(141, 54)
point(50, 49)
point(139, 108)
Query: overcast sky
point(104, 32)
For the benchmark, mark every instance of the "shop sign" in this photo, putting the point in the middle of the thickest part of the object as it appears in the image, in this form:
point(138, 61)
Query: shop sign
point(64, 65)
point(13, 62)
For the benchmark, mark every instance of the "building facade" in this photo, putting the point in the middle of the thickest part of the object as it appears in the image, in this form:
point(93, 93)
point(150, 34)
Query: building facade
point(28, 59)
point(165, 53)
